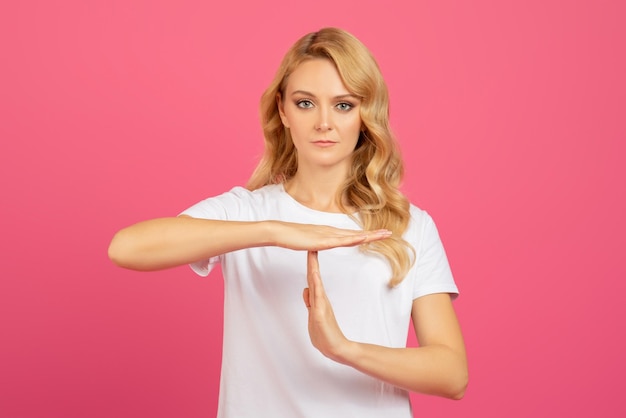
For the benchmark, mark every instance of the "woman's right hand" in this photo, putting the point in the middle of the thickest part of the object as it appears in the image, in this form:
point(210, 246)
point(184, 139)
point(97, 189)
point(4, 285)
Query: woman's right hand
point(309, 237)
point(167, 242)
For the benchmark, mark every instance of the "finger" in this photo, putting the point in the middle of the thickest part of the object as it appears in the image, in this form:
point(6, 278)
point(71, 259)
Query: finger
point(360, 232)
point(318, 298)
point(377, 235)
point(312, 265)
point(316, 290)
point(305, 296)
point(317, 294)
point(360, 237)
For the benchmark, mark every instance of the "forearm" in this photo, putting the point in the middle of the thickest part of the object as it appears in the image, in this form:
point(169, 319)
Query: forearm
point(167, 242)
point(434, 369)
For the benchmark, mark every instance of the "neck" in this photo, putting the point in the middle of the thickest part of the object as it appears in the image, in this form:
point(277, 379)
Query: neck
point(316, 190)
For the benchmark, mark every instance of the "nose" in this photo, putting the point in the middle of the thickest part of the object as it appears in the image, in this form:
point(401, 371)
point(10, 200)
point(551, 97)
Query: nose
point(323, 122)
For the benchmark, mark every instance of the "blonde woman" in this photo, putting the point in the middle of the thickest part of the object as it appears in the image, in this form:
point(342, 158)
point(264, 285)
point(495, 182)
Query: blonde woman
point(325, 262)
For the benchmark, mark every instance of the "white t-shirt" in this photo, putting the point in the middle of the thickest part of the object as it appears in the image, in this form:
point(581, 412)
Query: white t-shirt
point(269, 367)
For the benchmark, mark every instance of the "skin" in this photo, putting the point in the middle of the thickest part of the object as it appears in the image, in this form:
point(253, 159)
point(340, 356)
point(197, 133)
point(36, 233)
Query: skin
point(437, 367)
point(324, 122)
point(317, 105)
point(162, 243)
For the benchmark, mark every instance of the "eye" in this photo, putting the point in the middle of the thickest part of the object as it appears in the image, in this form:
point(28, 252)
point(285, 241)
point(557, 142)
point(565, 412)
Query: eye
point(304, 104)
point(344, 106)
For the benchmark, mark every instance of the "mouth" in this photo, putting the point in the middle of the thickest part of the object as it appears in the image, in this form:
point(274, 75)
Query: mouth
point(323, 143)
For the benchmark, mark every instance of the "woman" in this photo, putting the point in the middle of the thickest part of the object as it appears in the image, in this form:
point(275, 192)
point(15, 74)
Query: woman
point(322, 212)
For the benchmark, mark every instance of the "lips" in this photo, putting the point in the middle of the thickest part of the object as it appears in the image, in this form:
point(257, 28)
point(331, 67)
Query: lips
point(324, 143)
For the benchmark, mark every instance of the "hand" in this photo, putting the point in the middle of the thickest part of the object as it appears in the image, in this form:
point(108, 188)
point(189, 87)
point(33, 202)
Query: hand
point(324, 331)
point(320, 237)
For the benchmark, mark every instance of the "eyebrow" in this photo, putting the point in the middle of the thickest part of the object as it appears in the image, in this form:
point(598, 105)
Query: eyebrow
point(341, 96)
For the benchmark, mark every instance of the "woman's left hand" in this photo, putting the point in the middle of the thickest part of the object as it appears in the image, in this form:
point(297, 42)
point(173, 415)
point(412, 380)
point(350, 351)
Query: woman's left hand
point(437, 367)
point(324, 331)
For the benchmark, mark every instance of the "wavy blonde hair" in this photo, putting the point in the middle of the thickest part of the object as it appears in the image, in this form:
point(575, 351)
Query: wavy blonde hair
point(377, 169)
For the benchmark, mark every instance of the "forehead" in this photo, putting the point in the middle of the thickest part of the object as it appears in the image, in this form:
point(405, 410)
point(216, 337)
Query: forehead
point(318, 76)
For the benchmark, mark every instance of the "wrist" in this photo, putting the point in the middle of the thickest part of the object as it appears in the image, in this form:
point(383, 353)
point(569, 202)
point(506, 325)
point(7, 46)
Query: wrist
point(270, 233)
point(346, 353)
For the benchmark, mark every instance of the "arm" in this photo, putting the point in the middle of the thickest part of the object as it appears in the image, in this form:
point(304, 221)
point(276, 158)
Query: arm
point(437, 367)
point(167, 242)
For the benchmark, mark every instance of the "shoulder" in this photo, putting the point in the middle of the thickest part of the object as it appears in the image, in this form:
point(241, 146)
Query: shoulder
point(418, 214)
point(419, 223)
point(422, 232)
point(236, 204)
point(239, 195)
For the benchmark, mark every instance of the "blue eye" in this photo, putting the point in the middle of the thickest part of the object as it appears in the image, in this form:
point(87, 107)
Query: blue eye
point(304, 104)
point(344, 106)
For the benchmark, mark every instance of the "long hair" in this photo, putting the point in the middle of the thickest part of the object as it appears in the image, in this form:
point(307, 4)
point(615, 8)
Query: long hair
point(376, 171)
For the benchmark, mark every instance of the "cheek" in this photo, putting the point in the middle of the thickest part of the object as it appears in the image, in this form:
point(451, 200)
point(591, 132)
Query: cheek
point(354, 127)
point(297, 120)
point(297, 130)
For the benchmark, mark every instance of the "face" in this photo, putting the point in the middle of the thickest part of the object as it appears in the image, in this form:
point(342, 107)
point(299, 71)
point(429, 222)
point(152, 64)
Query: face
point(322, 116)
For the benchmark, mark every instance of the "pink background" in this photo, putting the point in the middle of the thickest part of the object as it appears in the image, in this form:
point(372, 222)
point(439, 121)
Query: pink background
point(511, 120)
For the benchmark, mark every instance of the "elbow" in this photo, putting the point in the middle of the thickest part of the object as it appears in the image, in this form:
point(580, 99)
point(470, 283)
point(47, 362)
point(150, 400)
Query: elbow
point(458, 378)
point(118, 251)
point(128, 252)
point(453, 383)
point(114, 252)
point(458, 394)
point(457, 388)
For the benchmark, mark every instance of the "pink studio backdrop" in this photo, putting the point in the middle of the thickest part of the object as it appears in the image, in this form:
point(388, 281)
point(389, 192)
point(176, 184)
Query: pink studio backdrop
point(511, 120)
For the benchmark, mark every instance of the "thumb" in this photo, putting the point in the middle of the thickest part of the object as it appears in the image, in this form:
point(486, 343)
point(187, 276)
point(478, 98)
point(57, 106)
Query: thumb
point(305, 296)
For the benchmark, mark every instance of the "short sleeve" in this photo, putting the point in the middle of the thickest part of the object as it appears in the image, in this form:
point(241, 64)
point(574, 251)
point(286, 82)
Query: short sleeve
point(226, 206)
point(432, 270)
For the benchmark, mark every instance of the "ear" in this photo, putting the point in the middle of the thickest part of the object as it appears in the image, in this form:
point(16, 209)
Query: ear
point(281, 110)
